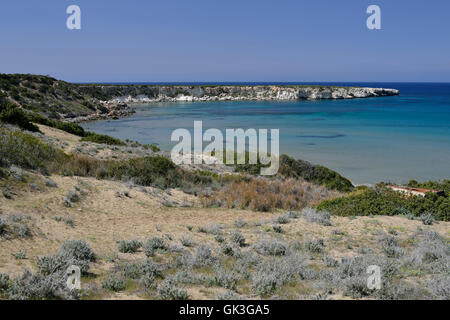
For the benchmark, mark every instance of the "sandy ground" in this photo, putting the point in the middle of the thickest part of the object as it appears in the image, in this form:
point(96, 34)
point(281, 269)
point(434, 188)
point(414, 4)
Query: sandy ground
point(102, 218)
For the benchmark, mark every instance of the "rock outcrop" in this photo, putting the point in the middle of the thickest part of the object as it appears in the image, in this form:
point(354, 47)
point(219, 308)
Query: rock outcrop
point(147, 94)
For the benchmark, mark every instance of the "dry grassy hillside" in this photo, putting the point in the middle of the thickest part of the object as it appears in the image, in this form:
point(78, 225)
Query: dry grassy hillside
point(144, 242)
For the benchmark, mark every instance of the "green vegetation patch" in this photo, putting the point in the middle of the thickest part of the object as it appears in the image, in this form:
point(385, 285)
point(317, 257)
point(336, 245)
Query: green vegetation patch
point(384, 201)
point(290, 167)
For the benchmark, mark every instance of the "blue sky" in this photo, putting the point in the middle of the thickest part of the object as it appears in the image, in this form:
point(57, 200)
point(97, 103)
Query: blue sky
point(233, 40)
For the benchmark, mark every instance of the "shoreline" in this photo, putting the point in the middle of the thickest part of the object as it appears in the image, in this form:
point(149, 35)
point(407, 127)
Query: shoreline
point(122, 98)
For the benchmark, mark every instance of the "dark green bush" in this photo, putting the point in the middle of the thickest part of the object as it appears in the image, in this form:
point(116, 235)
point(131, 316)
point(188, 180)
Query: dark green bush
point(384, 201)
point(436, 185)
point(129, 246)
point(72, 128)
point(13, 115)
point(114, 283)
point(289, 167)
point(102, 138)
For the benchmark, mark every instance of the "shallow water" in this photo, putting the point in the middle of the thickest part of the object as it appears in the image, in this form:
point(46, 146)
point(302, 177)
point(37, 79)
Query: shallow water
point(367, 140)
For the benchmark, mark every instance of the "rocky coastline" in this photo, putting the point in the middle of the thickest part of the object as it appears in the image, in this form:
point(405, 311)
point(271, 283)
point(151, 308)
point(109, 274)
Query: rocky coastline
point(126, 95)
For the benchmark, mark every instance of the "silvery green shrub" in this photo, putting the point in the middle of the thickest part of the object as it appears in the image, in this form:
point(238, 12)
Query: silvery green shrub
point(223, 278)
point(72, 196)
point(320, 217)
point(214, 229)
point(129, 246)
point(270, 275)
point(4, 282)
point(135, 270)
point(114, 283)
point(15, 225)
point(356, 287)
point(390, 247)
point(292, 214)
point(72, 252)
point(228, 295)
point(238, 238)
point(431, 253)
point(202, 257)
point(78, 249)
point(168, 290)
point(315, 246)
point(219, 238)
point(187, 241)
point(330, 261)
point(239, 223)
point(439, 287)
point(271, 247)
point(147, 281)
point(154, 244)
point(34, 286)
point(50, 183)
point(282, 219)
point(427, 219)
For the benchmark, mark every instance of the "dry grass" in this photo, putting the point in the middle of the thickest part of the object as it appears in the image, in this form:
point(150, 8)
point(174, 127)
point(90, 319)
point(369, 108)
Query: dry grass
point(266, 195)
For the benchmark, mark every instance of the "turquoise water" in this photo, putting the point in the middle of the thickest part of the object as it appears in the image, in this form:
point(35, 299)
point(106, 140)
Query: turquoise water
point(367, 140)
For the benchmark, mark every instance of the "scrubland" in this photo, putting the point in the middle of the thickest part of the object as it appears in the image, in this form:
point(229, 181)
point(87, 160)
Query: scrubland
point(140, 227)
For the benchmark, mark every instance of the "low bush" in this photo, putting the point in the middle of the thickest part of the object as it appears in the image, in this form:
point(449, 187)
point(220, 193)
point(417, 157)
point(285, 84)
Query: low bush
point(239, 223)
point(390, 247)
point(270, 275)
point(187, 241)
point(271, 247)
point(211, 229)
point(154, 244)
point(114, 283)
point(168, 290)
point(427, 219)
point(440, 287)
point(34, 286)
point(15, 226)
point(4, 282)
point(72, 252)
point(223, 278)
point(13, 115)
point(136, 270)
point(238, 238)
point(202, 257)
point(282, 219)
point(320, 217)
point(315, 246)
point(68, 127)
point(431, 253)
point(129, 246)
point(102, 138)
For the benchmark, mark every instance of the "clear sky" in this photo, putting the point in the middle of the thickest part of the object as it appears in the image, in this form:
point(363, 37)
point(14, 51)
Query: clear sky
point(232, 40)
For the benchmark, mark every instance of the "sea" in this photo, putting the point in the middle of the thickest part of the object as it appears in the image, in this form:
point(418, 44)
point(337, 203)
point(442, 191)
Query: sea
point(369, 140)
